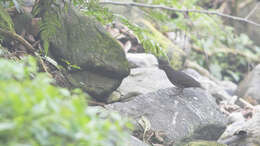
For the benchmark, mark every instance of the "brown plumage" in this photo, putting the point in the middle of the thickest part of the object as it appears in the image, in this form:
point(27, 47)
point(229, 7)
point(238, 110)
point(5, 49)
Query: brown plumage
point(178, 78)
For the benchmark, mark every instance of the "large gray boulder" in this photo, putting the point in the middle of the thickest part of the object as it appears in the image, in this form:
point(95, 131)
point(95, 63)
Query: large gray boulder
point(229, 87)
point(243, 133)
point(191, 115)
point(216, 88)
point(138, 60)
point(141, 81)
point(133, 141)
point(83, 42)
point(146, 77)
point(249, 88)
point(203, 143)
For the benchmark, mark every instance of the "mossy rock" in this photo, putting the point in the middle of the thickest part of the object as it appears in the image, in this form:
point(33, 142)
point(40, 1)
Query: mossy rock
point(83, 42)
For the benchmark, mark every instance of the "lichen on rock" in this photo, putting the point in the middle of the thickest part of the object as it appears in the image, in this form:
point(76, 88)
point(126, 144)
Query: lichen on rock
point(83, 42)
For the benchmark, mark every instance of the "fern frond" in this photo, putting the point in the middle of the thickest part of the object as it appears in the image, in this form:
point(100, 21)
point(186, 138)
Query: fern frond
point(49, 11)
point(6, 22)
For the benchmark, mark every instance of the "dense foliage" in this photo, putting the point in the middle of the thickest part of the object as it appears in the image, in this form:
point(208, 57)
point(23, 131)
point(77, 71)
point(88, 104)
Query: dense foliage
point(34, 112)
point(215, 46)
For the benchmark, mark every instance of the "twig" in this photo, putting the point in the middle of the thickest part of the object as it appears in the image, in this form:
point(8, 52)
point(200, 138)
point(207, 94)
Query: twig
point(249, 15)
point(244, 4)
point(247, 104)
point(36, 43)
point(27, 45)
point(17, 37)
point(44, 66)
point(241, 19)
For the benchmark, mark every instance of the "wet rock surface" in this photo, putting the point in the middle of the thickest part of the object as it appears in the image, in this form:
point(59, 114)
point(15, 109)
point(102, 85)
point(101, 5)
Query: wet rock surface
point(190, 115)
point(245, 132)
point(142, 81)
point(141, 60)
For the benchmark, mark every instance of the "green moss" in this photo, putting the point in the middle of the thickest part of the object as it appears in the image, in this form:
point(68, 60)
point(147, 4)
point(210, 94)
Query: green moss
point(84, 42)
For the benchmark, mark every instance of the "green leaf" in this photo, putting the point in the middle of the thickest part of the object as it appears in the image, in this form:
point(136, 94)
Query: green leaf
point(34, 112)
point(46, 46)
point(6, 126)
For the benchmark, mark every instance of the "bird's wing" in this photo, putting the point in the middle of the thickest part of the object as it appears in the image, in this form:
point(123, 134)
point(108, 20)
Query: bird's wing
point(187, 80)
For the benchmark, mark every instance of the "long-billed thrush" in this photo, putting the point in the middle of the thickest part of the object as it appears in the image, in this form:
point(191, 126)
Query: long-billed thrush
point(178, 78)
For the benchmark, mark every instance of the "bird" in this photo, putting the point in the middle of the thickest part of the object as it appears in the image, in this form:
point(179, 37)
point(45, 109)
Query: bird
point(178, 78)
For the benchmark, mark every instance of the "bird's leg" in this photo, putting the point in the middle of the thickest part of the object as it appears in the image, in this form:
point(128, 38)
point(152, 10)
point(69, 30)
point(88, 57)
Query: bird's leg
point(179, 91)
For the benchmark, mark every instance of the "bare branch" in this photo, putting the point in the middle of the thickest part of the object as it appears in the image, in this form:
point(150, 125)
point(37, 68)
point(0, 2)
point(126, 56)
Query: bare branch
point(17, 37)
point(27, 45)
point(247, 104)
point(252, 12)
point(241, 19)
